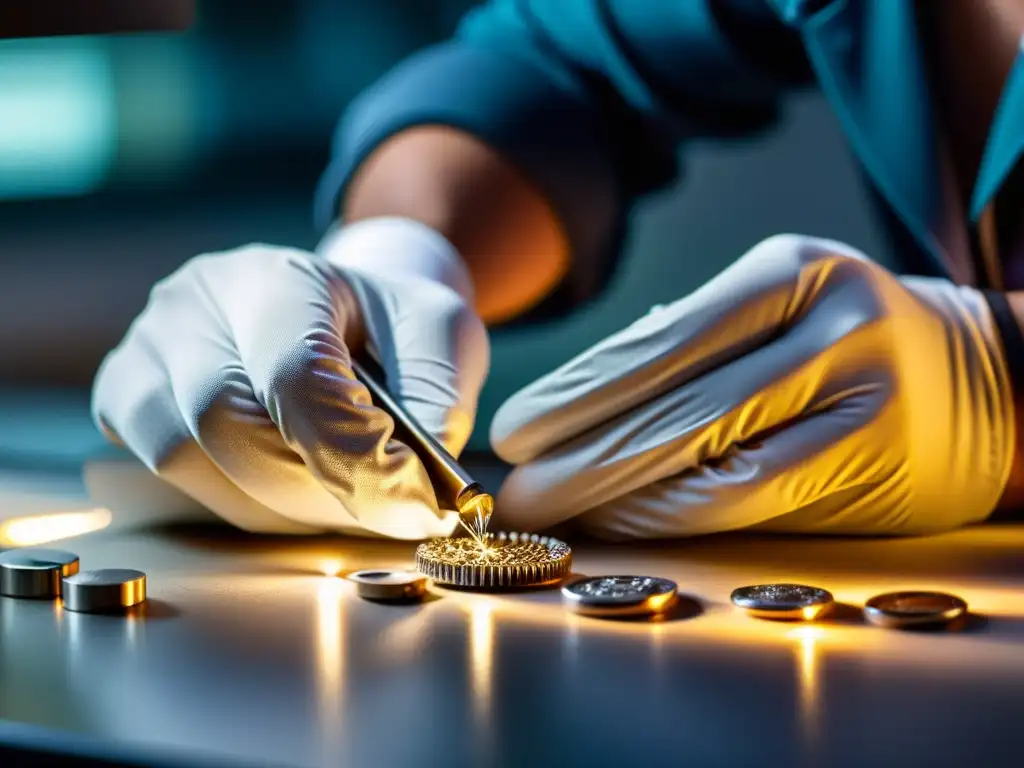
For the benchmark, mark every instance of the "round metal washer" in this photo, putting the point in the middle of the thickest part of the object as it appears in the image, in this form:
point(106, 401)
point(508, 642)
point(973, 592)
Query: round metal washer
point(901, 610)
point(35, 573)
point(783, 602)
point(104, 591)
point(620, 595)
point(389, 586)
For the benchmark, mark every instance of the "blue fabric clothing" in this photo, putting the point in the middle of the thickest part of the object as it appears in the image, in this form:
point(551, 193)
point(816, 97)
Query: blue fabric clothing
point(593, 99)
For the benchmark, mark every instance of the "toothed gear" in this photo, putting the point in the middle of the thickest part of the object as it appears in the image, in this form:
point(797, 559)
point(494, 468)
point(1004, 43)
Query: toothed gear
point(509, 560)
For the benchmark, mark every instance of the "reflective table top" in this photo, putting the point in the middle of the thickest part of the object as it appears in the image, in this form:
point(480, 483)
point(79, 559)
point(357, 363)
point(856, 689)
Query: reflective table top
point(256, 649)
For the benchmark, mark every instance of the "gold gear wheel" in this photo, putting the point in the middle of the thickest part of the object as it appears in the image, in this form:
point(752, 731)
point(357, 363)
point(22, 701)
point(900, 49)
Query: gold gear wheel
point(501, 561)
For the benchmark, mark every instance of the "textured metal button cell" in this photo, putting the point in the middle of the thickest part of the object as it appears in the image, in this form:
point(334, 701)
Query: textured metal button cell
point(785, 602)
point(620, 595)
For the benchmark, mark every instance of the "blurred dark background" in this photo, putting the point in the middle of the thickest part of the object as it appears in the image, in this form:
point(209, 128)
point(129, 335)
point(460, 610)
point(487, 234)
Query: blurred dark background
point(123, 156)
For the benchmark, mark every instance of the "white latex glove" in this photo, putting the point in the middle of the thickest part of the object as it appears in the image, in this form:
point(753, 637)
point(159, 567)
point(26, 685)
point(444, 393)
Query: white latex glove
point(804, 389)
point(234, 383)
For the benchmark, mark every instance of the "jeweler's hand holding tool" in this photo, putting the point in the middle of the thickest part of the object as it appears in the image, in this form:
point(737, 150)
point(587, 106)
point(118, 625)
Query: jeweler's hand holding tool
point(453, 486)
point(235, 384)
point(804, 389)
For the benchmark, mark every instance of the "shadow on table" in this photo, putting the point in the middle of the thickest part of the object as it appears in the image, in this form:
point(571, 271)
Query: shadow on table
point(845, 614)
point(154, 610)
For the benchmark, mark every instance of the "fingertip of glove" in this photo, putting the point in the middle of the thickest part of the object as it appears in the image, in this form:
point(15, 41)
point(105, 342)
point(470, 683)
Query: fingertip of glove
point(525, 505)
point(104, 428)
point(509, 433)
point(450, 425)
point(532, 420)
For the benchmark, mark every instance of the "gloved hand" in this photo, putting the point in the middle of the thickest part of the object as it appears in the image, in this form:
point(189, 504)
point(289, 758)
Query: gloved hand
point(804, 389)
point(234, 383)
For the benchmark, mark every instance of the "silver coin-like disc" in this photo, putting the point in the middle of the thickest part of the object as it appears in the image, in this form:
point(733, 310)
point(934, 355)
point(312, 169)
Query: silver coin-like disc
point(104, 591)
point(388, 585)
point(783, 601)
point(620, 595)
point(35, 573)
point(901, 610)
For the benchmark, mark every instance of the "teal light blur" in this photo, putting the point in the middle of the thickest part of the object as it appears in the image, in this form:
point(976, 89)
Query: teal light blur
point(58, 117)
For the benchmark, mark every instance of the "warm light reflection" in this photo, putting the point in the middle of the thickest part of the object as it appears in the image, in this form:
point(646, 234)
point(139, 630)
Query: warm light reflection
point(660, 602)
point(481, 658)
point(992, 602)
point(331, 567)
point(808, 680)
point(330, 642)
point(733, 629)
point(982, 599)
point(404, 639)
point(996, 536)
point(657, 629)
point(32, 530)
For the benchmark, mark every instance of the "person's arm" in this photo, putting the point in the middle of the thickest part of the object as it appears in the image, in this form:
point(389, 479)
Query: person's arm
point(509, 236)
point(526, 139)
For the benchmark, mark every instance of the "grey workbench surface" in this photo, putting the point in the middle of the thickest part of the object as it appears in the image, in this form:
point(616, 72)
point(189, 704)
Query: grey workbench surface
point(248, 651)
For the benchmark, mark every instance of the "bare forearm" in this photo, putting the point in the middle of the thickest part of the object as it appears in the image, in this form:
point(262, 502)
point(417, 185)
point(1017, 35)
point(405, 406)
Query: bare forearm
point(508, 235)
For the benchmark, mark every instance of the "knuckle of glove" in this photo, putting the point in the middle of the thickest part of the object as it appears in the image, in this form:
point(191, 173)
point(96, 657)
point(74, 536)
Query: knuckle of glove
point(212, 399)
point(258, 262)
point(803, 250)
point(141, 413)
point(296, 374)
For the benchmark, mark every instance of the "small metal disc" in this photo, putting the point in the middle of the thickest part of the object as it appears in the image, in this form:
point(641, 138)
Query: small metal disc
point(389, 586)
point(35, 573)
point(104, 591)
point(620, 595)
point(783, 602)
point(900, 610)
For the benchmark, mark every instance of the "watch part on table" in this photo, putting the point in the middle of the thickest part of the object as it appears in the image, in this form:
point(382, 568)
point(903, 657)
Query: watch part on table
point(783, 602)
point(904, 610)
point(620, 596)
point(389, 586)
point(496, 561)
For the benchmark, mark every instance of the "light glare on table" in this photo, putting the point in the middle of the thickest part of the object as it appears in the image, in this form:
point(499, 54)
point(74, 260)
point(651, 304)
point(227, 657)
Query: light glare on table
point(331, 567)
point(32, 530)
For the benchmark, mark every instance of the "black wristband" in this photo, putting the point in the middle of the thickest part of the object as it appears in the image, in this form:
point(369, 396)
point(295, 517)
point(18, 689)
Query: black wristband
point(1013, 347)
point(1012, 337)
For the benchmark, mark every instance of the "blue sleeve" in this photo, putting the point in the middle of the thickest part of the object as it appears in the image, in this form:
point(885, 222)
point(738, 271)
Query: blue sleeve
point(591, 99)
